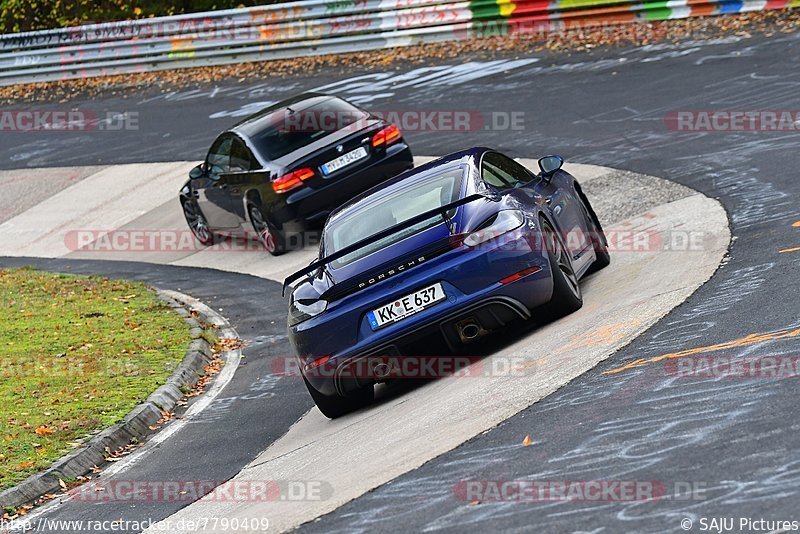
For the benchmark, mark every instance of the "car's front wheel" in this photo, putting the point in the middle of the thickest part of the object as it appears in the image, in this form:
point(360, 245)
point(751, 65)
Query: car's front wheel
point(197, 222)
point(272, 238)
point(567, 296)
point(333, 406)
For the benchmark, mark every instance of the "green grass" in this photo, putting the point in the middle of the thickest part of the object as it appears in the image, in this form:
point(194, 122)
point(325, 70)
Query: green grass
point(76, 355)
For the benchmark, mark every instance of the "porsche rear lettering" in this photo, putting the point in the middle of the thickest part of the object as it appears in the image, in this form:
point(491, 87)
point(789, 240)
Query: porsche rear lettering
point(391, 272)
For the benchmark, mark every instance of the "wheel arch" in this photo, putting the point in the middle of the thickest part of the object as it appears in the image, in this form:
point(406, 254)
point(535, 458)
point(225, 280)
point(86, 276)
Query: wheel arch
point(587, 205)
point(252, 198)
point(184, 196)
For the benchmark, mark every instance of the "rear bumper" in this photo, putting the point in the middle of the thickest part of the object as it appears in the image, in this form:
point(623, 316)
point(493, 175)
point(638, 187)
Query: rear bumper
point(311, 206)
point(490, 313)
point(491, 308)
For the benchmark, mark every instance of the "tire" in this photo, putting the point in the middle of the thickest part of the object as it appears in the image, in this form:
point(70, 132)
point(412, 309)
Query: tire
point(270, 237)
point(333, 406)
point(567, 296)
point(197, 222)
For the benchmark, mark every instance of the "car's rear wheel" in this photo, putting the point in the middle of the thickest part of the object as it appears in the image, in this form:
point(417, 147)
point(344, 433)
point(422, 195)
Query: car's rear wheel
point(333, 406)
point(272, 238)
point(197, 222)
point(567, 296)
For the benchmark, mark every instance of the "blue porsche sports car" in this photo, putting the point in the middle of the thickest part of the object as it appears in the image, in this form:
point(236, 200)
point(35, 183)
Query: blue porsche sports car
point(433, 259)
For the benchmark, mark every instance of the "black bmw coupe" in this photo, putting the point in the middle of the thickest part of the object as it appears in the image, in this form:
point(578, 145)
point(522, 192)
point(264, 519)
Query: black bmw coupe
point(284, 169)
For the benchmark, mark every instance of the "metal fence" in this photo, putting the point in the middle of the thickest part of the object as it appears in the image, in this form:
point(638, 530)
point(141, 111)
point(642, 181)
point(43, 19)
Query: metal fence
point(313, 27)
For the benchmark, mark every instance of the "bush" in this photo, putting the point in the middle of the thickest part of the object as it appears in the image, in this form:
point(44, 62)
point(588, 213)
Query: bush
point(30, 15)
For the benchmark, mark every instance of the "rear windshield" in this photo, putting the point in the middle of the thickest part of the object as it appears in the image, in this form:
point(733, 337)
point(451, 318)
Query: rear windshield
point(388, 209)
point(288, 130)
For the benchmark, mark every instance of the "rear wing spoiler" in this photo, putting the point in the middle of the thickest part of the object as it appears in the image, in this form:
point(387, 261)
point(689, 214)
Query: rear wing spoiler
point(321, 262)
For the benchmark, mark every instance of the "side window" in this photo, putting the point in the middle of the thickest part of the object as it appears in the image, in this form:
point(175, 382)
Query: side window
point(219, 157)
point(501, 171)
point(241, 159)
point(494, 176)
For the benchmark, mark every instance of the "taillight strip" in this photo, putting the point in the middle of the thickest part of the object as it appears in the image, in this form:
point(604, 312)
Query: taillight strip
point(292, 180)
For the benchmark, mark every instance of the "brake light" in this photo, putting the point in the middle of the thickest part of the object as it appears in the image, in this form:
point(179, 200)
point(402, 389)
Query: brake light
point(387, 136)
point(293, 180)
point(316, 363)
point(516, 276)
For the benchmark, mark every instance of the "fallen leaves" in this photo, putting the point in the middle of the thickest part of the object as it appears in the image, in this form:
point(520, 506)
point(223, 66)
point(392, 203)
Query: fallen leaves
point(23, 510)
point(43, 431)
point(165, 416)
point(526, 441)
point(228, 344)
point(209, 371)
point(121, 452)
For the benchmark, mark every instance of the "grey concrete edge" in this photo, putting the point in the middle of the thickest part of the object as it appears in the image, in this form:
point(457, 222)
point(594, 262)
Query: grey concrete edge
point(135, 426)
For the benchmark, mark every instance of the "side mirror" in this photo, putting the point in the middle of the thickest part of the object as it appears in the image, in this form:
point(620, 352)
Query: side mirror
point(550, 164)
point(197, 172)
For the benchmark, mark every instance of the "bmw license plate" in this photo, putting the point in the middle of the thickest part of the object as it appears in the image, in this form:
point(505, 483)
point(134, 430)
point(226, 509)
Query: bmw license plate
point(405, 306)
point(344, 160)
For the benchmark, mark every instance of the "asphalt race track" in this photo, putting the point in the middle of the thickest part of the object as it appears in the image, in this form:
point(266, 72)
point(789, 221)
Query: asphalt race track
point(734, 441)
point(623, 303)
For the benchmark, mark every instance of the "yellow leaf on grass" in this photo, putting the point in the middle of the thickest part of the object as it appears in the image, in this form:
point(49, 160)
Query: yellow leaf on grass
point(43, 431)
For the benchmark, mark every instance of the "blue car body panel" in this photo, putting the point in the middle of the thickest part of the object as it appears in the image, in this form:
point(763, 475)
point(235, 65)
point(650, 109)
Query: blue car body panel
point(469, 276)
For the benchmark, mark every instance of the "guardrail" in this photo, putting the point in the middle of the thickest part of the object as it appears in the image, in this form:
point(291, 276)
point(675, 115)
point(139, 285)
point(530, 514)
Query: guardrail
point(314, 27)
